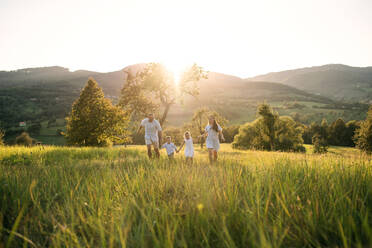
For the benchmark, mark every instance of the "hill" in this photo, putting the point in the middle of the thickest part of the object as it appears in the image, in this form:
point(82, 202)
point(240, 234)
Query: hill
point(45, 95)
point(339, 82)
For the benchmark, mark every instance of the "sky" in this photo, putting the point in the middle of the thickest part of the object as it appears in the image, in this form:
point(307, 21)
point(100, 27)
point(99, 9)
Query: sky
point(242, 38)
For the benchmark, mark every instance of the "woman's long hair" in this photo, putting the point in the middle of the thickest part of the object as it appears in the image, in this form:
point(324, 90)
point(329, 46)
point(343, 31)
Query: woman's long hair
point(215, 124)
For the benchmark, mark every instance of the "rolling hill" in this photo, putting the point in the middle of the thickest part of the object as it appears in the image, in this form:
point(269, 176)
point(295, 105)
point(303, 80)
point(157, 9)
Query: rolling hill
point(39, 95)
point(339, 82)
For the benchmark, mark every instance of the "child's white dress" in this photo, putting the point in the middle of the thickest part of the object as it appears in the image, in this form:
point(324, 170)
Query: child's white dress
point(189, 148)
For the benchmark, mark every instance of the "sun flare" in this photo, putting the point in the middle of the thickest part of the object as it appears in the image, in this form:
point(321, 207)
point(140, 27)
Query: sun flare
point(176, 67)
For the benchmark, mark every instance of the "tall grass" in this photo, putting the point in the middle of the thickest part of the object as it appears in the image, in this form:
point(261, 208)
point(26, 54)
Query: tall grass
point(116, 197)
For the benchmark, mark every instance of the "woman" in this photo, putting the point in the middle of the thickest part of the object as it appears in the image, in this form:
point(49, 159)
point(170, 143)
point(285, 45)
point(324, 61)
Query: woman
point(212, 130)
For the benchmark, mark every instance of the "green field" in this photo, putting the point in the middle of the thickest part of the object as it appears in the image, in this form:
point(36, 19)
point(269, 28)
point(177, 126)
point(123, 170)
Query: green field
point(116, 197)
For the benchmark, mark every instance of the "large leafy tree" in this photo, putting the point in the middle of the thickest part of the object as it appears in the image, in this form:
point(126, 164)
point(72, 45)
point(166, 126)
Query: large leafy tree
point(94, 121)
point(363, 134)
point(154, 89)
point(270, 132)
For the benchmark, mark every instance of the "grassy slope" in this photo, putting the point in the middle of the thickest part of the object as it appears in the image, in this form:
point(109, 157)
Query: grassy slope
point(335, 81)
point(91, 197)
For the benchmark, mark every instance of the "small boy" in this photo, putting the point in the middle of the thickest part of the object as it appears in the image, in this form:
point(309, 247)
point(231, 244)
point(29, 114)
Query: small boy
point(170, 147)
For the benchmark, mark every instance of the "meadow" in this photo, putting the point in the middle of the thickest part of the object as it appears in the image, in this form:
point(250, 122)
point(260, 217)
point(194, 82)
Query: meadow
point(116, 197)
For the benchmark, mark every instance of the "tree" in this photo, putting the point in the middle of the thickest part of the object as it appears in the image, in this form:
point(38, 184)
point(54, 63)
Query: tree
point(363, 134)
point(230, 132)
point(351, 127)
point(200, 120)
point(270, 132)
point(24, 139)
point(269, 118)
point(324, 130)
point(2, 134)
point(94, 121)
point(337, 133)
point(154, 87)
point(320, 144)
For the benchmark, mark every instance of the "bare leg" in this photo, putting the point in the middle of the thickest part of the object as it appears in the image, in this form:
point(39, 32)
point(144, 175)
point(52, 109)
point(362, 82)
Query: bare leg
point(157, 153)
point(210, 153)
point(191, 160)
point(215, 155)
point(149, 151)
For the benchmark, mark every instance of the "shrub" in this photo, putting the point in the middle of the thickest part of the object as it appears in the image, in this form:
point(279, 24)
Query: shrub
point(24, 139)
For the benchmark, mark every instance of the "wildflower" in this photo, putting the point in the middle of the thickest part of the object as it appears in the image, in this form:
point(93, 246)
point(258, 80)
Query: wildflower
point(200, 207)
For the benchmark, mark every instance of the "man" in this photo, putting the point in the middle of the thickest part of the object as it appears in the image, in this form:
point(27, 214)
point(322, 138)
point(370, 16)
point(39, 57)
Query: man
point(153, 133)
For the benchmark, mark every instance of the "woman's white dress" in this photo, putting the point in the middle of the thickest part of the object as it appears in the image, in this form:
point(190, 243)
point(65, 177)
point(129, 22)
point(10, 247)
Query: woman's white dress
point(212, 141)
point(189, 148)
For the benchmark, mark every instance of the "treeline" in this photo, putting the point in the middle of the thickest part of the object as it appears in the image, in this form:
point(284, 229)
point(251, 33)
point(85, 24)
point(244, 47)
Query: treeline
point(95, 121)
point(280, 133)
point(338, 133)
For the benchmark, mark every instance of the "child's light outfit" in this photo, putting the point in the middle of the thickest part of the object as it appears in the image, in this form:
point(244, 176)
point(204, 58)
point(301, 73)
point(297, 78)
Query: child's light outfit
point(189, 148)
point(171, 148)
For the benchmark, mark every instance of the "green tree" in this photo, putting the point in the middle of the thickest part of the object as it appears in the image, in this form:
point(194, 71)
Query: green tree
point(230, 132)
point(324, 130)
point(270, 132)
point(351, 127)
point(2, 134)
point(154, 88)
point(337, 133)
point(320, 144)
point(363, 134)
point(94, 121)
point(24, 139)
point(268, 121)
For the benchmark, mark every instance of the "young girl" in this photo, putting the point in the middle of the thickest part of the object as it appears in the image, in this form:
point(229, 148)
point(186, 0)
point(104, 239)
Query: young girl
point(189, 147)
point(212, 130)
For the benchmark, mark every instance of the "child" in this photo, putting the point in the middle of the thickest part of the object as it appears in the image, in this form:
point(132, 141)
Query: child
point(189, 147)
point(170, 147)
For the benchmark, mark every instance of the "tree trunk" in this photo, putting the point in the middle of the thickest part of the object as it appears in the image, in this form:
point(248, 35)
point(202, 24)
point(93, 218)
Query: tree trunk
point(165, 113)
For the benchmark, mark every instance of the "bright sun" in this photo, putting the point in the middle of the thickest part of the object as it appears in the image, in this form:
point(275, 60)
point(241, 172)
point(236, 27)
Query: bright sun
point(177, 67)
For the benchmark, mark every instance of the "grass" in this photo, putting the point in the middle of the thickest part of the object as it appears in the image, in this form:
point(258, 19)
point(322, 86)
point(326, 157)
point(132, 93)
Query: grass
point(116, 197)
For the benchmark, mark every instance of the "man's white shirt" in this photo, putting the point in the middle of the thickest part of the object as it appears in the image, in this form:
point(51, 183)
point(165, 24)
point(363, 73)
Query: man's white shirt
point(151, 129)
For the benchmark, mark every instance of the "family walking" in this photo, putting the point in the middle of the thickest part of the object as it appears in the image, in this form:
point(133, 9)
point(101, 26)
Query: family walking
point(153, 137)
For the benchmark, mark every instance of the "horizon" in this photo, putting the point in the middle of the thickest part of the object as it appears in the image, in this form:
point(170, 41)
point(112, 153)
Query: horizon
point(235, 37)
point(110, 71)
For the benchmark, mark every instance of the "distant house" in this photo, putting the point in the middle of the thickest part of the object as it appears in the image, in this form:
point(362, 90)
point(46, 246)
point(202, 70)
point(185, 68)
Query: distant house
point(22, 124)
